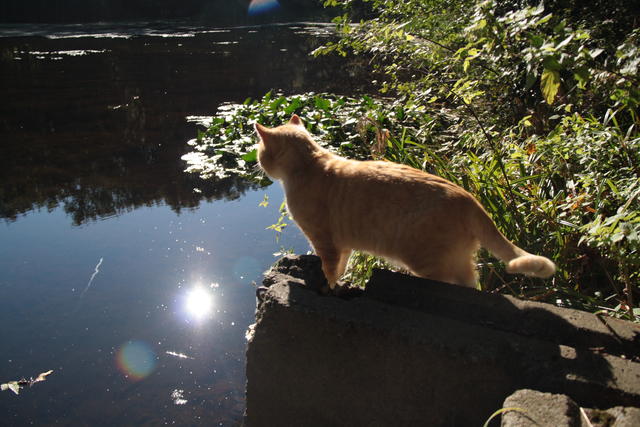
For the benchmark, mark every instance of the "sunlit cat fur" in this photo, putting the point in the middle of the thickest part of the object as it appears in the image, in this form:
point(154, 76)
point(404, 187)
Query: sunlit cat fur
point(421, 221)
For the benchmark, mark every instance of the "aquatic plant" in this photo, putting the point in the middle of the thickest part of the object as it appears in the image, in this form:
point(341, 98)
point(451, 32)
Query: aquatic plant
point(228, 145)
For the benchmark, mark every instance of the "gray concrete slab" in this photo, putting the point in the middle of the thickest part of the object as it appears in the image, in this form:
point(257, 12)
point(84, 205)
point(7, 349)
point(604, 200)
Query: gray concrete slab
point(412, 352)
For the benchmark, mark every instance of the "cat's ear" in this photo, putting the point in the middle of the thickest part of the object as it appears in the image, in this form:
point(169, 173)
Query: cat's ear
point(263, 131)
point(295, 120)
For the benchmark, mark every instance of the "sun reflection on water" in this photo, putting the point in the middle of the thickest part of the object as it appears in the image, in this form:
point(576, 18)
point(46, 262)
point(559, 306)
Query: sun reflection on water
point(199, 303)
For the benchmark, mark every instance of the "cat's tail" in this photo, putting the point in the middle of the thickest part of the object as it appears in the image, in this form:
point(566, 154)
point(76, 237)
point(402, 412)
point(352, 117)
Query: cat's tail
point(516, 259)
point(532, 265)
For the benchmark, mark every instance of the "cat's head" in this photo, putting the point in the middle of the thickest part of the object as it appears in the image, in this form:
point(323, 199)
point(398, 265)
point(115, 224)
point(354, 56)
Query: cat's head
point(282, 147)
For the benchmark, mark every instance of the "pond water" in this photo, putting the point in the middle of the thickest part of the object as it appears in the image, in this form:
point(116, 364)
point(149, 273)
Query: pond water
point(128, 278)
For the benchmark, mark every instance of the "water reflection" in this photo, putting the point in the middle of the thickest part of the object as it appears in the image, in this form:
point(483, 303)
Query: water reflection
point(139, 295)
point(246, 267)
point(178, 397)
point(199, 303)
point(96, 136)
point(102, 133)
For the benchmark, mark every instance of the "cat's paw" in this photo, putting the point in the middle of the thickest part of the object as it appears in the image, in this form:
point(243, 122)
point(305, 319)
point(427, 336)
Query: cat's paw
point(345, 290)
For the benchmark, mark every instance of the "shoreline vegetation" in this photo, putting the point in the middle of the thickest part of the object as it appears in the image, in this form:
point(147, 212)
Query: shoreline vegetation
point(533, 108)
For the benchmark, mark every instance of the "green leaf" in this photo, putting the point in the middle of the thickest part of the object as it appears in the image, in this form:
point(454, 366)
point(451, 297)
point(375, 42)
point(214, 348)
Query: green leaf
point(251, 156)
point(551, 63)
point(612, 186)
point(544, 19)
point(565, 42)
point(530, 80)
point(582, 76)
point(322, 103)
point(595, 52)
point(617, 237)
point(549, 84)
point(536, 40)
point(293, 106)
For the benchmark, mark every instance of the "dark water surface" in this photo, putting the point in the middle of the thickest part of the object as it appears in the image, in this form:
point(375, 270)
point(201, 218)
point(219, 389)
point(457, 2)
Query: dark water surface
point(103, 239)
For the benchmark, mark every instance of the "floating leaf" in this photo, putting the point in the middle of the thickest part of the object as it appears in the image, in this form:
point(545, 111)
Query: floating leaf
point(251, 156)
point(43, 376)
point(179, 355)
point(322, 103)
point(13, 386)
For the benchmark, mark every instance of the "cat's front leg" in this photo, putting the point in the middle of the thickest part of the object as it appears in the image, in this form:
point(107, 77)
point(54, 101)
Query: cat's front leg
point(334, 262)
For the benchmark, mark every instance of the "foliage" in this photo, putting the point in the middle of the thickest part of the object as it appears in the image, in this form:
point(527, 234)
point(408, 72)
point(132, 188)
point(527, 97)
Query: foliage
point(533, 109)
point(227, 147)
point(360, 268)
point(543, 103)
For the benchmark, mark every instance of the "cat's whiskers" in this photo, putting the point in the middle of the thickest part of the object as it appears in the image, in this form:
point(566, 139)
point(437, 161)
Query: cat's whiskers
point(258, 171)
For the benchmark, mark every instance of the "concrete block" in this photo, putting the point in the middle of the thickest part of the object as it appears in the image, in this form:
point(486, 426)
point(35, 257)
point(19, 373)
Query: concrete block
point(409, 351)
point(532, 408)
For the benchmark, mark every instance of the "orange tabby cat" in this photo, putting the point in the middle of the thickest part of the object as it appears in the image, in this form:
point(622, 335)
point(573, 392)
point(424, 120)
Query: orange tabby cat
point(421, 221)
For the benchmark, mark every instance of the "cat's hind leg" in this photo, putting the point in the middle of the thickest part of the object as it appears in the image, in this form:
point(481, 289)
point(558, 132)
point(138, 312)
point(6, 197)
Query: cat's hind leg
point(455, 269)
point(465, 274)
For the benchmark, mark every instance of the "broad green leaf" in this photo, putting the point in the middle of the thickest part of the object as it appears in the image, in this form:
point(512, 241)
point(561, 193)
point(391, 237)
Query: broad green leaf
point(552, 63)
point(536, 40)
point(251, 156)
point(322, 103)
point(549, 84)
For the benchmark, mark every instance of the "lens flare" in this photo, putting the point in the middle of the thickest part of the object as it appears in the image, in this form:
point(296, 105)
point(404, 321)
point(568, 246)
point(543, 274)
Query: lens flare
point(199, 303)
point(258, 7)
point(136, 360)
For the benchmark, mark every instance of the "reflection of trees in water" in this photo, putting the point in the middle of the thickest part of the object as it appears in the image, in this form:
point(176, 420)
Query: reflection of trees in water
point(102, 134)
point(98, 202)
point(220, 12)
point(110, 188)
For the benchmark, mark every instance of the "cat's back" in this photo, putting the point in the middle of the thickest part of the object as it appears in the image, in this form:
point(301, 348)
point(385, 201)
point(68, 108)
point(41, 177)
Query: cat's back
point(389, 179)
